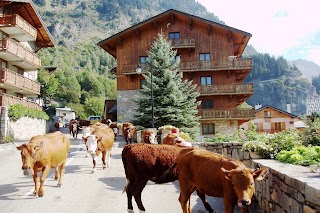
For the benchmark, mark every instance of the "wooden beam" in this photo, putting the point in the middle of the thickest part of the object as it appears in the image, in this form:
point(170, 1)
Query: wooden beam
point(155, 23)
point(230, 36)
point(210, 30)
point(191, 24)
point(138, 32)
point(173, 17)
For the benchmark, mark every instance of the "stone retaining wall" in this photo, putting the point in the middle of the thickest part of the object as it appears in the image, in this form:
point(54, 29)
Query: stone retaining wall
point(287, 188)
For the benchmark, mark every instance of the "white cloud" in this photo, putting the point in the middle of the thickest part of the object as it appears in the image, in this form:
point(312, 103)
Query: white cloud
point(277, 27)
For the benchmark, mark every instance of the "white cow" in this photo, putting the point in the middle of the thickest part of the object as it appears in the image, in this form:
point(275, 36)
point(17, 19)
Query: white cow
point(86, 132)
point(92, 146)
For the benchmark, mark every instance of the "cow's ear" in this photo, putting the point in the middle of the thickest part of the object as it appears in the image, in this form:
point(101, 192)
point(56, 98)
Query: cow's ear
point(227, 173)
point(260, 174)
point(21, 147)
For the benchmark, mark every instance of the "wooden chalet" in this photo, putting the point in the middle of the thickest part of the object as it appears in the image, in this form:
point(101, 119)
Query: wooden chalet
point(22, 34)
point(210, 55)
point(270, 119)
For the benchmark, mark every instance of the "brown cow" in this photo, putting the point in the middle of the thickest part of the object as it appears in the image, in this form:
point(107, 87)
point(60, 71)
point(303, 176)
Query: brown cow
point(150, 136)
point(173, 139)
point(143, 162)
point(215, 175)
point(71, 126)
point(105, 139)
point(57, 125)
point(128, 131)
point(42, 153)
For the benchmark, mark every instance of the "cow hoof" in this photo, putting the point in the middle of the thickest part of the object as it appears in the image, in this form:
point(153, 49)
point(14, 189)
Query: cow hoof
point(59, 185)
point(108, 166)
point(34, 193)
point(55, 178)
point(104, 167)
point(40, 194)
point(93, 170)
point(130, 211)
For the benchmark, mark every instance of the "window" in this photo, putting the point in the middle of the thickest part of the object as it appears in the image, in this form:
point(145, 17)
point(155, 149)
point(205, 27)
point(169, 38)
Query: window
point(277, 126)
point(142, 82)
point(207, 104)
point(174, 35)
point(206, 80)
point(204, 56)
point(267, 114)
point(207, 128)
point(143, 59)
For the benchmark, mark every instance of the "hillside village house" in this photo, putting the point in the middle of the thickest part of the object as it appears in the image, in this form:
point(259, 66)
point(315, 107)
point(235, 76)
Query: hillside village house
point(210, 55)
point(22, 33)
point(269, 119)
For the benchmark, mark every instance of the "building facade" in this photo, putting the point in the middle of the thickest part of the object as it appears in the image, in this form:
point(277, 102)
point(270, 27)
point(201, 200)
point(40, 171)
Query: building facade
point(210, 55)
point(22, 34)
point(313, 105)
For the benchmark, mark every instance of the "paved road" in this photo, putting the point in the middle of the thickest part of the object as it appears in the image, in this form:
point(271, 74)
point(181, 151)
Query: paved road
point(82, 191)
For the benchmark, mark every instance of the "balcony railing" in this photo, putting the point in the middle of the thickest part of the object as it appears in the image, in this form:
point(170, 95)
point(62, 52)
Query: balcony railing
point(7, 100)
point(18, 55)
point(13, 80)
point(206, 114)
point(16, 27)
point(242, 63)
point(183, 43)
point(243, 88)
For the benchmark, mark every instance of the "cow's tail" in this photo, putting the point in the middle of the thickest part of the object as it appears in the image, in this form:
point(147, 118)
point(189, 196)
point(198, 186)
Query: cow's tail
point(124, 161)
point(162, 178)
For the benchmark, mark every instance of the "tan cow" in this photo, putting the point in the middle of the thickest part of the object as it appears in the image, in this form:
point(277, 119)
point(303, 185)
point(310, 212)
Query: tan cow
point(150, 136)
point(105, 139)
point(42, 153)
point(128, 131)
point(173, 139)
point(215, 175)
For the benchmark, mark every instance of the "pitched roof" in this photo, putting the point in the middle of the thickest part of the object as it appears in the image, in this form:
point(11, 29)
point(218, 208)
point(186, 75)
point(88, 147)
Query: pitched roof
point(27, 10)
point(110, 44)
point(282, 111)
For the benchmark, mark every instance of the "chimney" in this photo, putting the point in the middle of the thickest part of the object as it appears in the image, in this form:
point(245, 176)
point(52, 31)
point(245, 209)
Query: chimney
point(288, 108)
point(257, 106)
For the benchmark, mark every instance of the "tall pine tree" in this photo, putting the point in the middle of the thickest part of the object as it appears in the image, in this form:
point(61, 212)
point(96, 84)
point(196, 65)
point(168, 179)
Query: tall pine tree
point(174, 99)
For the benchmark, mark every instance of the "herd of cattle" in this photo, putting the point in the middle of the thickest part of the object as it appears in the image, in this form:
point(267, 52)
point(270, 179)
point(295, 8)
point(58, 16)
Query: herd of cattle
point(198, 170)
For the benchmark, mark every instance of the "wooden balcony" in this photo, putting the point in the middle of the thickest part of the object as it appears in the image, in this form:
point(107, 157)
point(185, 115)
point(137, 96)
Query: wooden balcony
point(238, 64)
point(16, 27)
point(14, 82)
point(18, 55)
point(183, 43)
point(7, 100)
point(242, 63)
point(226, 114)
point(230, 89)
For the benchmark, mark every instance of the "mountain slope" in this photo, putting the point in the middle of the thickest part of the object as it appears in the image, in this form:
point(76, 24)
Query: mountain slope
point(308, 69)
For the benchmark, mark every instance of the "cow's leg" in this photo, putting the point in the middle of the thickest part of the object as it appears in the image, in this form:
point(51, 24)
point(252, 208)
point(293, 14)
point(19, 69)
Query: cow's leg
point(94, 162)
point(185, 192)
point(136, 190)
point(104, 153)
point(229, 203)
point(202, 196)
point(43, 177)
point(129, 195)
point(62, 170)
point(56, 173)
point(108, 158)
point(36, 183)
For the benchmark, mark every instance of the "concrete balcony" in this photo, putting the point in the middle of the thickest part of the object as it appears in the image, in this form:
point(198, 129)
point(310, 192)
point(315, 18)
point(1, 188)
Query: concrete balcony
point(183, 43)
point(237, 64)
point(7, 100)
point(14, 82)
point(16, 27)
point(229, 89)
point(226, 114)
point(18, 55)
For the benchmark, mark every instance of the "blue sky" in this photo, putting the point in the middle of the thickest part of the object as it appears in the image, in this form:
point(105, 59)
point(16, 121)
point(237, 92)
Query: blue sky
point(288, 28)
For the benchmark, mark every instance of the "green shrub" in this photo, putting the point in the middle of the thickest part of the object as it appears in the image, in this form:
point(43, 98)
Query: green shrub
point(300, 155)
point(224, 138)
point(17, 111)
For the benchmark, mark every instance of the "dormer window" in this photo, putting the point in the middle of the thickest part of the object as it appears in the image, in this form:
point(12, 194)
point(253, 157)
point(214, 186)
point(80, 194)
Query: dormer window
point(174, 35)
point(267, 114)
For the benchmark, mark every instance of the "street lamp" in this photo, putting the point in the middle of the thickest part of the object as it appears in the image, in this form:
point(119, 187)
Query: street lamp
point(139, 70)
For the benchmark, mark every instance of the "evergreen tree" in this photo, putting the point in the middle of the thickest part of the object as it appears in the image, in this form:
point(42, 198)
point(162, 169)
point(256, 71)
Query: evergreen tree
point(174, 99)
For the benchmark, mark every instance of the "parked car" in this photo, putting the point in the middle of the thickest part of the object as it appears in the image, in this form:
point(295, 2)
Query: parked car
point(94, 117)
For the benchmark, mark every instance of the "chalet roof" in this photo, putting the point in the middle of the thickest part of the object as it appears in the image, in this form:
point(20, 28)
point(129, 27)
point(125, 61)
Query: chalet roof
point(240, 37)
point(27, 10)
point(279, 110)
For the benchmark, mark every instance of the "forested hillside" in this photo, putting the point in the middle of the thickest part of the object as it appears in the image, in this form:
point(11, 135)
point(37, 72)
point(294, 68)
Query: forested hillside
point(84, 68)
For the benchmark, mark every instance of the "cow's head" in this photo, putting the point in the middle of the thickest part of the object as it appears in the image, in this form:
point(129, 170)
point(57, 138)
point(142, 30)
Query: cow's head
point(29, 156)
point(130, 132)
point(109, 122)
point(153, 138)
point(86, 132)
point(243, 183)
